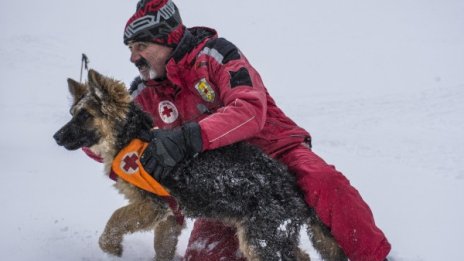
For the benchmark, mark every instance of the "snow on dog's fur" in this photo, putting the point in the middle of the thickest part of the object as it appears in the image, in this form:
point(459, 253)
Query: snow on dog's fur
point(236, 184)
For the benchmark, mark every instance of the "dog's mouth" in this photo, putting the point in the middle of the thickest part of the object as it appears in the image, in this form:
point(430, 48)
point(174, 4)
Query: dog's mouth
point(75, 138)
point(77, 144)
point(73, 146)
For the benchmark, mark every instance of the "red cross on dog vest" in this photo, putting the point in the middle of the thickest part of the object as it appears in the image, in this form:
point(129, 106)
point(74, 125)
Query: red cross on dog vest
point(128, 167)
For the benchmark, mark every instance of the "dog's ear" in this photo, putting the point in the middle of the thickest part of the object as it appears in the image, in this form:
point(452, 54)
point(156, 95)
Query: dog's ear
point(76, 89)
point(106, 88)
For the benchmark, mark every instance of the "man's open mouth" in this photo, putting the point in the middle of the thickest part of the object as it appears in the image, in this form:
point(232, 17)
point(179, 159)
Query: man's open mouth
point(142, 64)
point(145, 70)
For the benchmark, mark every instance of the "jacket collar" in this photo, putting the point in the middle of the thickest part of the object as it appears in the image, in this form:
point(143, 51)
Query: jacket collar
point(186, 51)
point(190, 40)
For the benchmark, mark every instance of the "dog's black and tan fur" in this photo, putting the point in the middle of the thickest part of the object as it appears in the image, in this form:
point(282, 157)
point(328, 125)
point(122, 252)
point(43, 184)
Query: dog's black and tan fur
point(105, 120)
point(237, 184)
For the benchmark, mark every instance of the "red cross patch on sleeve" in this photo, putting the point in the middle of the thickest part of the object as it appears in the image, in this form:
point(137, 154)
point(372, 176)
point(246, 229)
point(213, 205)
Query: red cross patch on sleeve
point(168, 112)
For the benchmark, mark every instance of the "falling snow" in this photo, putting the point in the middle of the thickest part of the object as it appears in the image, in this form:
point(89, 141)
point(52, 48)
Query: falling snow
point(379, 85)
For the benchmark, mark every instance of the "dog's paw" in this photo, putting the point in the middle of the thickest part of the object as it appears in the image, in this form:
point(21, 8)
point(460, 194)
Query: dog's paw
point(111, 244)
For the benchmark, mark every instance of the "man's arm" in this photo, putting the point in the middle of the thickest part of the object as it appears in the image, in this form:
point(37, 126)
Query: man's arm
point(241, 91)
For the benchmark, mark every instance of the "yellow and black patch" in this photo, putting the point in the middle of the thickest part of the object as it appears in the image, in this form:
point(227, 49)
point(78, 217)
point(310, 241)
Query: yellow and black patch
point(205, 90)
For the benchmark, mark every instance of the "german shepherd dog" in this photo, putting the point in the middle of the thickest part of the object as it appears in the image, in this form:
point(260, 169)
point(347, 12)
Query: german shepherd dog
point(99, 107)
point(237, 184)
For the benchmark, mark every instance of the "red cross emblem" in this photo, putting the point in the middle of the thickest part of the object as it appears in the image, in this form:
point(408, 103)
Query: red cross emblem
point(129, 163)
point(168, 112)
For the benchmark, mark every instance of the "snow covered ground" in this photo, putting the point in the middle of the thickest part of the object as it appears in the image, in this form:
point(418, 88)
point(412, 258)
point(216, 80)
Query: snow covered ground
point(379, 84)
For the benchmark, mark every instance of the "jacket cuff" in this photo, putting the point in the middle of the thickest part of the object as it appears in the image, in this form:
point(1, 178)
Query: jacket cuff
point(194, 136)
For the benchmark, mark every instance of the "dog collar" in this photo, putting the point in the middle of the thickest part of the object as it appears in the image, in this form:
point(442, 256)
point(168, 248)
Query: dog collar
point(126, 165)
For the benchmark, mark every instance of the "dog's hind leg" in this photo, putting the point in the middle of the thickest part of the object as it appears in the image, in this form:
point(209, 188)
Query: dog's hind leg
point(166, 236)
point(248, 250)
point(301, 255)
point(267, 242)
point(324, 242)
point(137, 216)
point(288, 241)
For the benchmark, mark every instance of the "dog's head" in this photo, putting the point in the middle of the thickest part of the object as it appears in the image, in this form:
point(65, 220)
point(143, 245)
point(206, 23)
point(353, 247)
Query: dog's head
point(98, 107)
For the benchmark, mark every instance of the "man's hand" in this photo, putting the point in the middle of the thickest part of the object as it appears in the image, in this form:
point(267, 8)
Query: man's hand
point(168, 148)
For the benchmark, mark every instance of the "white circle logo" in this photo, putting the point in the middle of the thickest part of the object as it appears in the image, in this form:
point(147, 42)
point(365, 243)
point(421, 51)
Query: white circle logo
point(168, 111)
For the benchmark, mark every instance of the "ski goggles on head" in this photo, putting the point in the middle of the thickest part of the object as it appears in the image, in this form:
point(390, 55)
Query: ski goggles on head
point(154, 25)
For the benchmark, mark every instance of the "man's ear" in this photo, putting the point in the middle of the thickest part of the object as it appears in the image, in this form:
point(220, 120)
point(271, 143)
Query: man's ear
point(77, 90)
point(106, 88)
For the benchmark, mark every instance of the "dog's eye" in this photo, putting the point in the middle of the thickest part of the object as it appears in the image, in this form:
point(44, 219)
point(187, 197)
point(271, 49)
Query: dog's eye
point(83, 116)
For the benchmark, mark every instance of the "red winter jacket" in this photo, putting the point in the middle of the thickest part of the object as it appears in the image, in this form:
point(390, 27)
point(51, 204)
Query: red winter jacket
point(210, 81)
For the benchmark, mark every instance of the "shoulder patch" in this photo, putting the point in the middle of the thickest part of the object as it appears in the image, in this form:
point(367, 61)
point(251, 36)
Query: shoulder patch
point(221, 50)
point(240, 78)
point(205, 90)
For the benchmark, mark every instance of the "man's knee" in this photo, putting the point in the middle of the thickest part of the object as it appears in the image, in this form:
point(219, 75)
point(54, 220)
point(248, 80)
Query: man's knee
point(212, 240)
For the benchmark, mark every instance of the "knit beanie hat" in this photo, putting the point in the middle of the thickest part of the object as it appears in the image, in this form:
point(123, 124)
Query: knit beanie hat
point(155, 21)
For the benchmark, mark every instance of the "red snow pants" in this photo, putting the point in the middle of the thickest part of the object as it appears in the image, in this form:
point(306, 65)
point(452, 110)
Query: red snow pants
point(337, 203)
point(212, 241)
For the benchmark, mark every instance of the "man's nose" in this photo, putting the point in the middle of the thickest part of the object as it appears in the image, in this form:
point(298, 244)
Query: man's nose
point(134, 56)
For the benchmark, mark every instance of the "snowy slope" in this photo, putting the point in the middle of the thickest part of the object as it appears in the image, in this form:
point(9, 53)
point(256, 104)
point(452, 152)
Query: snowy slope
point(380, 86)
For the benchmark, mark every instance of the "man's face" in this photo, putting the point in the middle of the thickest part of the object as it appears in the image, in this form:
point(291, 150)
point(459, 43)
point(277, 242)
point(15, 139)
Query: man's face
point(150, 59)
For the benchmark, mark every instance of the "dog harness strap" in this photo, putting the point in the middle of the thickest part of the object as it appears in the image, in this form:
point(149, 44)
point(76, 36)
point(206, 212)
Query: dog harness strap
point(128, 167)
point(113, 175)
point(172, 202)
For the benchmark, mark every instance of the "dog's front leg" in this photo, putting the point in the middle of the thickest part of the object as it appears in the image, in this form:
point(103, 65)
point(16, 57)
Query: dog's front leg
point(137, 216)
point(166, 237)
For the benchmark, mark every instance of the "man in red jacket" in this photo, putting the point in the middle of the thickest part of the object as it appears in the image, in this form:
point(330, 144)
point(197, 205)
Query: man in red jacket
point(203, 94)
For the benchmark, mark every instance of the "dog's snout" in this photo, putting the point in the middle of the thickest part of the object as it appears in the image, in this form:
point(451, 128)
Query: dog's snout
point(58, 136)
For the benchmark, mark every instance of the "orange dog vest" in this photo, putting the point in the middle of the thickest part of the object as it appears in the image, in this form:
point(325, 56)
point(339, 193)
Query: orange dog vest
point(128, 167)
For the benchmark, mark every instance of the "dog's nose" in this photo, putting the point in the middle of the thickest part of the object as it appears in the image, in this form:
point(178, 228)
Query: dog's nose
point(58, 136)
